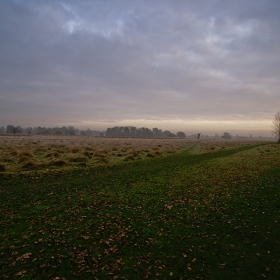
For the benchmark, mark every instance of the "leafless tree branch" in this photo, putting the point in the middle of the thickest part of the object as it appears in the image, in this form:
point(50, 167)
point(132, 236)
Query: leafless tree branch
point(276, 124)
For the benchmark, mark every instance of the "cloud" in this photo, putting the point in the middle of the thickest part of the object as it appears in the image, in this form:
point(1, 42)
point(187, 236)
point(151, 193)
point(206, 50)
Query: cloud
point(76, 61)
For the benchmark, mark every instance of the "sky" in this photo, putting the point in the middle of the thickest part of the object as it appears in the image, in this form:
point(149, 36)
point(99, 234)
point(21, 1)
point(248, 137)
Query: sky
point(182, 65)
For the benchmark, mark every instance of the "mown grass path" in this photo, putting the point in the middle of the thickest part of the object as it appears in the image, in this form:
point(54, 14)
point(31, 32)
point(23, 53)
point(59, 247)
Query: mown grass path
point(188, 216)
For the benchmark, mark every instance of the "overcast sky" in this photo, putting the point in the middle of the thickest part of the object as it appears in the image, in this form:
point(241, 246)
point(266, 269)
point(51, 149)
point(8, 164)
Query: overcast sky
point(185, 65)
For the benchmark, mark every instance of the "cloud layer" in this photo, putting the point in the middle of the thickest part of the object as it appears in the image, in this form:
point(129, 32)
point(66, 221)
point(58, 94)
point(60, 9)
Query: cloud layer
point(89, 62)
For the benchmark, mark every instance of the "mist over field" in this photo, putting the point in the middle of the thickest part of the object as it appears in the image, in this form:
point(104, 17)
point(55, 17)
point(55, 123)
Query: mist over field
point(191, 66)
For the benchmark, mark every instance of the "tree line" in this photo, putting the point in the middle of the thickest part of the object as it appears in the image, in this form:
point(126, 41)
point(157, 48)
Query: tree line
point(117, 131)
point(143, 132)
point(69, 130)
point(130, 131)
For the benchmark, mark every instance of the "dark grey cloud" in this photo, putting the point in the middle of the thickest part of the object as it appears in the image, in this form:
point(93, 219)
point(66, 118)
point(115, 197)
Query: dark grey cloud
point(81, 61)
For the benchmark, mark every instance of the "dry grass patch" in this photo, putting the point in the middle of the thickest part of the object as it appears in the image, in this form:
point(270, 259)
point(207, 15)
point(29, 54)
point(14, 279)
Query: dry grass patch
point(88, 153)
point(31, 164)
point(78, 159)
point(129, 157)
point(75, 150)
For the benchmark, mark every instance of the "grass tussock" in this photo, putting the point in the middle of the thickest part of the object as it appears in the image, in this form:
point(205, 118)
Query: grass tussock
point(88, 153)
point(54, 154)
point(31, 164)
point(2, 167)
point(26, 154)
point(78, 159)
point(99, 154)
point(13, 152)
point(75, 150)
point(129, 157)
point(58, 163)
point(150, 155)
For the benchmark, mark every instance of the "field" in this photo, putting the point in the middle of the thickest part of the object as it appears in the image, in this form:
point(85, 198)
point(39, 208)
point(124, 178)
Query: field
point(26, 154)
point(19, 154)
point(111, 208)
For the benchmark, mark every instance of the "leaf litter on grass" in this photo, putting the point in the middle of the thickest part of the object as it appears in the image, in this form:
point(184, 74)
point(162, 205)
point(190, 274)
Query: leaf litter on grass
point(193, 217)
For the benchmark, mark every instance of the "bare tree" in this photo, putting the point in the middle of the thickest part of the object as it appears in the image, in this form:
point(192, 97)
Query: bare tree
point(276, 125)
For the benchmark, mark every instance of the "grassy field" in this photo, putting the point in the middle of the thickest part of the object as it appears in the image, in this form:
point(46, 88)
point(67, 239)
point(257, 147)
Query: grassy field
point(194, 210)
point(25, 154)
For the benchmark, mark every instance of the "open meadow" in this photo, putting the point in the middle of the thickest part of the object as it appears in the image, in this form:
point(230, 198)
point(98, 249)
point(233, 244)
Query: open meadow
point(125, 208)
point(27, 154)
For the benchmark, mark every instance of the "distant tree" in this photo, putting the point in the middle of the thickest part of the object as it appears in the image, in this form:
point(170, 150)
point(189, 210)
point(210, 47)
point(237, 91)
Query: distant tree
point(108, 131)
point(226, 135)
point(71, 130)
point(198, 135)
point(276, 125)
point(18, 129)
point(126, 131)
point(133, 131)
point(10, 129)
point(46, 132)
point(168, 133)
point(157, 133)
point(41, 130)
point(13, 129)
point(28, 130)
point(181, 134)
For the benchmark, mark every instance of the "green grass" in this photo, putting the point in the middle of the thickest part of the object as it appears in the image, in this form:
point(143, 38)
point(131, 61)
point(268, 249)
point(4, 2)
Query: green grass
point(189, 216)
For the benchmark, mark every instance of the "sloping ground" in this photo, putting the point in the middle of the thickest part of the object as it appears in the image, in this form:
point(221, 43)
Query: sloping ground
point(190, 216)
